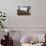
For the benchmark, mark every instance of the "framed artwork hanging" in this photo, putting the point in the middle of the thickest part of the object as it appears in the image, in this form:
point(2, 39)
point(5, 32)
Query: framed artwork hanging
point(24, 10)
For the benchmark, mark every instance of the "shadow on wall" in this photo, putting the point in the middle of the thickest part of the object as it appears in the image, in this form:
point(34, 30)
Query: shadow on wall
point(16, 43)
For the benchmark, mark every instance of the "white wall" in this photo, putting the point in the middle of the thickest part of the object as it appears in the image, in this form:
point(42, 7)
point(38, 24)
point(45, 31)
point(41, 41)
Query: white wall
point(37, 19)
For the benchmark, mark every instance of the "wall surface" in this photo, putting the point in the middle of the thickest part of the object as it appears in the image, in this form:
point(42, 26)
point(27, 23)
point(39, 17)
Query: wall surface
point(25, 24)
point(37, 19)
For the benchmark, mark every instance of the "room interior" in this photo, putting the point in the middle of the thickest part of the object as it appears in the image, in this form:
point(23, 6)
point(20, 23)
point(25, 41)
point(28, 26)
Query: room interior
point(23, 27)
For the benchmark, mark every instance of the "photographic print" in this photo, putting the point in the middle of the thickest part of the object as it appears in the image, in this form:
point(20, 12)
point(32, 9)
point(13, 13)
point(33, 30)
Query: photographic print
point(24, 10)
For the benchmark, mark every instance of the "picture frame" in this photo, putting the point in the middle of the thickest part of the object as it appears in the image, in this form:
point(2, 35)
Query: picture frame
point(24, 10)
